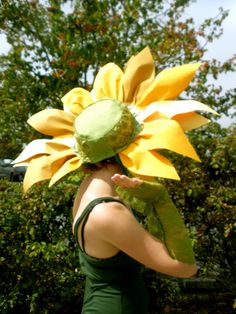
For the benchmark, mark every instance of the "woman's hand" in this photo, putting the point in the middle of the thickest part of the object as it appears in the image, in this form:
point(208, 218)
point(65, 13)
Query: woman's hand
point(124, 181)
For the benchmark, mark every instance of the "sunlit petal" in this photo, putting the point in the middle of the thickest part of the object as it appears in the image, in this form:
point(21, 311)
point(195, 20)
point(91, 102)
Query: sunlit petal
point(190, 121)
point(44, 167)
point(77, 99)
point(108, 82)
point(69, 166)
point(46, 147)
point(53, 122)
point(165, 134)
point(172, 108)
point(168, 84)
point(138, 75)
point(187, 121)
point(146, 163)
point(178, 110)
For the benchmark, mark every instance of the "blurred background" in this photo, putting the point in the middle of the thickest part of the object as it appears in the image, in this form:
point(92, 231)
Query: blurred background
point(49, 47)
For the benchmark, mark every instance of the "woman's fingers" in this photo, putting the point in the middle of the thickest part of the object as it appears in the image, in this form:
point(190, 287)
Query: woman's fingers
point(124, 181)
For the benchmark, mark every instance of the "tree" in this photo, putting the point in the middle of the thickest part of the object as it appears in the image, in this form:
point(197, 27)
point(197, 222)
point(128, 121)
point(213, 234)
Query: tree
point(58, 45)
point(39, 255)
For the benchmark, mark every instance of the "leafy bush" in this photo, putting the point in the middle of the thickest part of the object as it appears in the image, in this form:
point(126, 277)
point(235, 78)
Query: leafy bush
point(206, 196)
point(39, 261)
point(40, 270)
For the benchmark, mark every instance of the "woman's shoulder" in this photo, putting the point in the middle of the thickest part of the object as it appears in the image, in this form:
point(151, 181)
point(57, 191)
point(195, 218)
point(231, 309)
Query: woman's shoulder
point(109, 213)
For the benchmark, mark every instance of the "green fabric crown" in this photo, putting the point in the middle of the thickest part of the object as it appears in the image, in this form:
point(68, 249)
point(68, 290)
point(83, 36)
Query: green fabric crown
point(104, 129)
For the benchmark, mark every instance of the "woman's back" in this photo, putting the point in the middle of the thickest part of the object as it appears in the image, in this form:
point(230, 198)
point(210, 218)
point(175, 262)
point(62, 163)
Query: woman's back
point(98, 185)
point(113, 280)
point(112, 245)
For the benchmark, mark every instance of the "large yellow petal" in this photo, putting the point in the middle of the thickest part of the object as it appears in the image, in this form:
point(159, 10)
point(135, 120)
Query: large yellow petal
point(179, 110)
point(187, 121)
point(44, 167)
point(45, 147)
point(190, 121)
point(165, 134)
point(53, 122)
point(172, 108)
point(168, 84)
point(69, 166)
point(108, 82)
point(77, 99)
point(138, 75)
point(142, 162)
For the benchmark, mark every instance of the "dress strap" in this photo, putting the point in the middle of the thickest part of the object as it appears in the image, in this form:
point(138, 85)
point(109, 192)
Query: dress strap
point(85, 214)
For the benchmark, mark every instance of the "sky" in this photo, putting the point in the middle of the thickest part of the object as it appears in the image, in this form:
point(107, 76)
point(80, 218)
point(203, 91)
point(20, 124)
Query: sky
point(202, 9)
point(221, 49)
point(225, 46)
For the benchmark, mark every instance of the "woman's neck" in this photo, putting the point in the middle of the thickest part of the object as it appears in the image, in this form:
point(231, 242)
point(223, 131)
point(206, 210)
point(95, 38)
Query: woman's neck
point(98, 184)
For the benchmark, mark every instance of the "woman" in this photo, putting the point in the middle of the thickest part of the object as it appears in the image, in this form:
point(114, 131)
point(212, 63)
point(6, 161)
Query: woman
point(120, 127)
point(112, 244)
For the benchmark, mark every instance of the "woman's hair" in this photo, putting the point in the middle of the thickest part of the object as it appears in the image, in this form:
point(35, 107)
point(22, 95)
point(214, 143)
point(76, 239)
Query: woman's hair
point(100, 164)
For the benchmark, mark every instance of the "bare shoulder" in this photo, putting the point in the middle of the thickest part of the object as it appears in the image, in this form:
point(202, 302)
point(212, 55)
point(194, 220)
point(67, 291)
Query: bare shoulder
point(115, 224)
point(111, 214)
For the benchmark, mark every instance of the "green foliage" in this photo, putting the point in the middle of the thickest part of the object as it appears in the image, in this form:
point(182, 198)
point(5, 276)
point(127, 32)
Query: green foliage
point(59, 45)
point(207, 197)
point(40, 270)
point(53, 51)
point(163, 292)
point(39, 261)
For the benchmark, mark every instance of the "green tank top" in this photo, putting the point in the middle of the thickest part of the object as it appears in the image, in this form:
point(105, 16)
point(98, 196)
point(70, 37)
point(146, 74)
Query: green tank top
point(113, 285)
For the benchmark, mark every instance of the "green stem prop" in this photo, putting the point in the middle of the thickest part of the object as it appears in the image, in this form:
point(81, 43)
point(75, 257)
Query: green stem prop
point(163, 219)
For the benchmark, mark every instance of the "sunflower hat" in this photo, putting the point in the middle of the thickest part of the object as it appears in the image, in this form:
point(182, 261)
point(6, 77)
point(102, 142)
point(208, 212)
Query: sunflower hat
point(131, 114)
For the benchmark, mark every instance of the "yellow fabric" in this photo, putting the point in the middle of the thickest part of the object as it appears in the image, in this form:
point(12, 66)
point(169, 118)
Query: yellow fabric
point(109, 82)
point(163, 120)
point(138, 75)
point(181, 111)
point(190, 120)
point(147, 163)
point(77, 99)
point(44, 167)
point(70, 165)
point(172, 108)
point(41, 147)
point(53, 122)
point(168, 84)
point(165, 134)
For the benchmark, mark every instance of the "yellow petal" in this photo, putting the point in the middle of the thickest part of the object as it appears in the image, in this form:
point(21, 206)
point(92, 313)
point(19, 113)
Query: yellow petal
point(108, 82)
point(44, 167)
point(174, 107)
point(69, 166)
point(43, 147)
point(190, 121)
point(168, 84)
point(53, 122)
point(145, 163)
point(77, 99)
point(165, 134)
point(178, 110)
point(138, 75)
point(146, 178)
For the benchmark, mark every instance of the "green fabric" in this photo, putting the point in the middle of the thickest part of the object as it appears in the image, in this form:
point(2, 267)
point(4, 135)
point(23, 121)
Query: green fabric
point(103, 129)
point(163, 218)
point(113, 285)
point(120, 297)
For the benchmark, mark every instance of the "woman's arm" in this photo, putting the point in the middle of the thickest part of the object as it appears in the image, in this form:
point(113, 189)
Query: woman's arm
point(116, 225)
point(163, 219)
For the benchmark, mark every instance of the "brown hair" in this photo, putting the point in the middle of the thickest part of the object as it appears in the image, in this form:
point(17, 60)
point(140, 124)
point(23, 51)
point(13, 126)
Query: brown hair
point(100, 164)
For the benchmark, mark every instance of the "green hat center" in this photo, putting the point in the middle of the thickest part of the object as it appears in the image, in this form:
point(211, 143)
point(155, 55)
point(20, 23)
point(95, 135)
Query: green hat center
point(103, 129)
